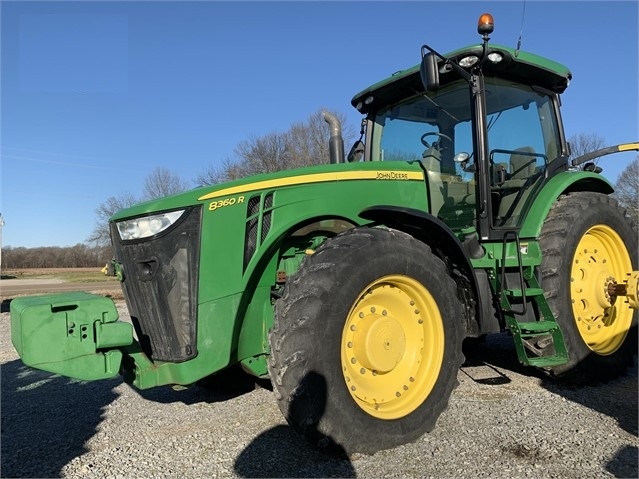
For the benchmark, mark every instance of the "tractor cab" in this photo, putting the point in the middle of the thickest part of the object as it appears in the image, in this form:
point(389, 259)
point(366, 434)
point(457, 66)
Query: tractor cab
point(485, 125)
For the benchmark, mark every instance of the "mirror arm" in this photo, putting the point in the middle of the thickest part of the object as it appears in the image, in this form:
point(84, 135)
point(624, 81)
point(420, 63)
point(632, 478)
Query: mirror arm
point(463, 73)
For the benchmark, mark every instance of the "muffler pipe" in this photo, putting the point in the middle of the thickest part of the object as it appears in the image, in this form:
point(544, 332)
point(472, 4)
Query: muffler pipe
point(335, 142)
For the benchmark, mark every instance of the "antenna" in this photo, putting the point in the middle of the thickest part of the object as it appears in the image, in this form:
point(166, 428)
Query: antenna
point(521, 29)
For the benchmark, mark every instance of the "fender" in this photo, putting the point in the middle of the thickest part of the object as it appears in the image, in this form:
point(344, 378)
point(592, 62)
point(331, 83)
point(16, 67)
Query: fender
point(435, 233)
point(565, 182)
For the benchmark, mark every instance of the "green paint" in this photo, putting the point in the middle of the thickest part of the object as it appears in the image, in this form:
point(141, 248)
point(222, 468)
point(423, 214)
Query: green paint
point(556, 186)
point(255, 232)
point(67, 334)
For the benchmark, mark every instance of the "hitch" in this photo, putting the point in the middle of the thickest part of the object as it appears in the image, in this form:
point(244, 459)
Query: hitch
point(629, 288)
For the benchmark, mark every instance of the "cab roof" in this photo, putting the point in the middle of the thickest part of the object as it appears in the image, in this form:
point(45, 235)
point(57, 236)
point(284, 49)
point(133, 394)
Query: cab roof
point(518, 66)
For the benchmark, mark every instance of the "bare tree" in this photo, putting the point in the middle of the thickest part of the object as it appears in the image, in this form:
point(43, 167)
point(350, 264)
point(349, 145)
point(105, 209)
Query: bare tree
point(308, 142)
point(304, 144)
point(212, 175)
point(100, 235)
point(583, 143)
point(627, 190)
point(162, 182)
point(265, 154)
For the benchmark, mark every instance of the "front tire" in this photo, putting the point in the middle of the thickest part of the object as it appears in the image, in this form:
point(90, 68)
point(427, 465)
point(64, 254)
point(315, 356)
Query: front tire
point(366, 343)
point(587, 243)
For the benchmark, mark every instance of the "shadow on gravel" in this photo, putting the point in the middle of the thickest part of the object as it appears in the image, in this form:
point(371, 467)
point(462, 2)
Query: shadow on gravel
point(281, 452)
point(228, 384)
point(617, 398)
point(497, 352)
point(5, 305)
point(189, 395)
point(263, 457)
point(624, 464)
point(46, 419)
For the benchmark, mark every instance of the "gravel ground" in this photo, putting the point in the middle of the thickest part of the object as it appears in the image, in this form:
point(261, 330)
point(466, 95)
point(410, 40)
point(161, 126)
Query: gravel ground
point(503, 421)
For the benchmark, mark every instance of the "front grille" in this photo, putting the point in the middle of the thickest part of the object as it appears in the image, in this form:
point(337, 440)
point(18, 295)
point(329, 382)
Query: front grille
point(161, 287)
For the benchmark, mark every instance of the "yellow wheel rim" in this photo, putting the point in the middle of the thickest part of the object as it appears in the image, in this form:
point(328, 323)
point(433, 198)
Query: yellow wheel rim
point(601, 258)
point(392, 347)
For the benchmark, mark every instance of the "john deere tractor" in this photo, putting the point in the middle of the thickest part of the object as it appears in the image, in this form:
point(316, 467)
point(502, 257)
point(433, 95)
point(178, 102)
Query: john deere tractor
point(351, 285)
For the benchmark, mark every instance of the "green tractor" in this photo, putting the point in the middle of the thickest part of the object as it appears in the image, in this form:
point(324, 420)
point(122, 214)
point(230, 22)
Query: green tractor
point(352, 285)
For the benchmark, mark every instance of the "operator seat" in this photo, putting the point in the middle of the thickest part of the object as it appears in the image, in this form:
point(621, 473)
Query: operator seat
point(522, 167)
point(431, 160)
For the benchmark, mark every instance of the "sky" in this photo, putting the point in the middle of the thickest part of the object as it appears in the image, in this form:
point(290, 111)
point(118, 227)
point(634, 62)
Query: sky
point(95, 95)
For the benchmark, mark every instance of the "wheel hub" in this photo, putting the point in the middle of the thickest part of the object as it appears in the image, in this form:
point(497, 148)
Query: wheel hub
point(379, 343)
point(392, 347)
point(599, 260)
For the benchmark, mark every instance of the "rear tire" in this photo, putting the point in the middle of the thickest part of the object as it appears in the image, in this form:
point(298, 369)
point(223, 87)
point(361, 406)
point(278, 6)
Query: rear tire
point(587, 242)
point(366, 343)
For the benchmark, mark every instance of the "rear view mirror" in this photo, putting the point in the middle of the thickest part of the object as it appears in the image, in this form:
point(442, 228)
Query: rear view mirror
point(357, 152)
point(429, 72)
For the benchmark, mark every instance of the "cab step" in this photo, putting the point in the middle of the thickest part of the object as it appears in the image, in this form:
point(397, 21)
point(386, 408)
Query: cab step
point(538, 343)
point(518, 293)
point(533, 339)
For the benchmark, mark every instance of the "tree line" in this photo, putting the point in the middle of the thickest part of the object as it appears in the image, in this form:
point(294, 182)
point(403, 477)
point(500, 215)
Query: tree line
point(79, 256)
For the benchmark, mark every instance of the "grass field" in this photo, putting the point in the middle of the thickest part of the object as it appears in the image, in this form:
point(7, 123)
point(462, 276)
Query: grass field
point(86, 279)
point(71, 275)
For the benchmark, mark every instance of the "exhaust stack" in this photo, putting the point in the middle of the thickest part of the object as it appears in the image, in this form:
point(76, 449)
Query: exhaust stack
point(335, 142)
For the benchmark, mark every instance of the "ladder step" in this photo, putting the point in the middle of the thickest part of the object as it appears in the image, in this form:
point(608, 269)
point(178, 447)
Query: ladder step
point(546, 361)
point(518, 293)
point(537, 326)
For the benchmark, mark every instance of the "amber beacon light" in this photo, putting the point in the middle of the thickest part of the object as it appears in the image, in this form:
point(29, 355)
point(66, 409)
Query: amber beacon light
point(486, 24)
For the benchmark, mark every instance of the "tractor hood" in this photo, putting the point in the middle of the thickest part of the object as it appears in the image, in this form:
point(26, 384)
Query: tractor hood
point(281, 179)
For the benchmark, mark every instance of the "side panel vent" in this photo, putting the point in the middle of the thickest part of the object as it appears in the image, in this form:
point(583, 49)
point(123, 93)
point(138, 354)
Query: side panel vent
point(258, 223)
point(250, 240)
point(266, 218)
point(253, 206)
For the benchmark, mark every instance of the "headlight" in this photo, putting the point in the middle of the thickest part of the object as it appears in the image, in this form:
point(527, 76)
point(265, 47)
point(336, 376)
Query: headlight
point(147, 226)
point(495, 57)
point(468, 61)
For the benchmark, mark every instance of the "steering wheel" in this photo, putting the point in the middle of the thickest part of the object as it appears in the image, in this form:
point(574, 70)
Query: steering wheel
point(433, 133)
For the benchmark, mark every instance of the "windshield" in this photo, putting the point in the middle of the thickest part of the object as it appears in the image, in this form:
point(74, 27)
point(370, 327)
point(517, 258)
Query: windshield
point(436, 129)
